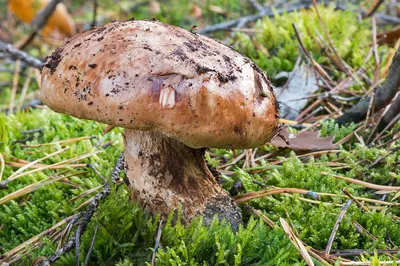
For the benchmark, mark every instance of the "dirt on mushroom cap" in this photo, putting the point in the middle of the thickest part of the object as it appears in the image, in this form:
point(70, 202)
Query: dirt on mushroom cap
point(147, 75)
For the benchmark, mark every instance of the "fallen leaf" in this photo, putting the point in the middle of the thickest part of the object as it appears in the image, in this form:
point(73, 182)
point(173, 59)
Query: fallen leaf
point(301, 83)
point(307, 140)
point(390, 36)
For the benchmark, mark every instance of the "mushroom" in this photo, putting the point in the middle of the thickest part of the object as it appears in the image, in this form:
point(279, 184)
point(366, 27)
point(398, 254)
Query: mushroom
point(176, 93)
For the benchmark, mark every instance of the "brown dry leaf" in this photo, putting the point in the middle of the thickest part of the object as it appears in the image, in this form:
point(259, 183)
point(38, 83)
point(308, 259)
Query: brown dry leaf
point(390, 36)
point(307, 140)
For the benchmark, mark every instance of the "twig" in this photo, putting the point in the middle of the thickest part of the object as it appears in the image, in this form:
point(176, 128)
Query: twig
point(86, 217)
point(389, 125)
point(359, 252)
point(262, 193)
point(119, 166)
point(375, 50)
point(336, 226)
point(94, 13)
point(384, 94)
point(21, 55)
point(260, 214)
point(374, 7)
point(364, 184)
point(381, 158)
point(256, 5)
point(91, 245)
point(40, 20)
point(77, 245)
point(359, 204)
point(389, 116)
point(158, 237)
point(266, 12)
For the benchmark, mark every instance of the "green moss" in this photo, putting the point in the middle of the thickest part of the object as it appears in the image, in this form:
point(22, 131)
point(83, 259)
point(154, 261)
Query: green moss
point(349, 37)
point(126, 233)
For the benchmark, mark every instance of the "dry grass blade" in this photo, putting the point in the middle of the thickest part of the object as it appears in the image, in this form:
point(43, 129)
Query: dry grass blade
point(15, 85)
point(260, 214)
point(18, 164)
point(369, 263)
point(34, 239)
point(20, 170)
point(33, 187)
point(362, 183)
point(1, 166)
point(85, 203)
point(262, 193)
point(61, 142)
point(78, 158)
point(25, 88)
point(296, 242)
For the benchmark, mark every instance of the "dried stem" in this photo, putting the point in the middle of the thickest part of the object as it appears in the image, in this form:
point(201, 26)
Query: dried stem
point(336, 226)
point(21, 55)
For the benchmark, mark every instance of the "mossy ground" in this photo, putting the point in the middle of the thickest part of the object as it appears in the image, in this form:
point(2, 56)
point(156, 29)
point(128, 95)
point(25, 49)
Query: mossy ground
point(126, 234)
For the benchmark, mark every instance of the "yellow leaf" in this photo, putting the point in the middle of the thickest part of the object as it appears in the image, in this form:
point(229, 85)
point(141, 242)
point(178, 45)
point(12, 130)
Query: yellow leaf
point(26, 10)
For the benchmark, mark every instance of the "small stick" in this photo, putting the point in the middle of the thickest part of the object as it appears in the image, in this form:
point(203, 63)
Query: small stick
point(77, 245)
point(355, 200)
point(376, 55)
point(336, 226)
point(119, 166)
point(40, 20)
point(91, 245)
point(94, 13)
point(21, 55)
point(256, 5)
point(158, 237)
point(374, 7)
point(260, 214)
point(108, 129)
point(381, 158)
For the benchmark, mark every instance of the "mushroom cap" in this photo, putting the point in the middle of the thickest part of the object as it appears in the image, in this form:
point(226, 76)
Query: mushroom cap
point(150, 76)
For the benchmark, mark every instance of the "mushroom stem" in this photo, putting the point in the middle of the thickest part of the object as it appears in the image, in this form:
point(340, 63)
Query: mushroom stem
point(164, 173)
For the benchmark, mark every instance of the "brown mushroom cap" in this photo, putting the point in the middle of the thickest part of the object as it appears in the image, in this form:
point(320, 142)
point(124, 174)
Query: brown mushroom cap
point(147, 75)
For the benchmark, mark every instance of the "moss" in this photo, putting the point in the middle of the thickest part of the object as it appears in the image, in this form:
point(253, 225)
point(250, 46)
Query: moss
point(126, 233)
point(349, 37)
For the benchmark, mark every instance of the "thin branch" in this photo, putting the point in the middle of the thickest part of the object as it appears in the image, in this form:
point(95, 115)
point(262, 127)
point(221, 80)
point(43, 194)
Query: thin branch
point(336, 226)
point(158, 237)
point(265, 12)
point(374, 7)
point(393, 111)
point(384, 94)
point(91, 245)
point(256, 5)
point(21, 55)
point(40, 20)
point(95, 5)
